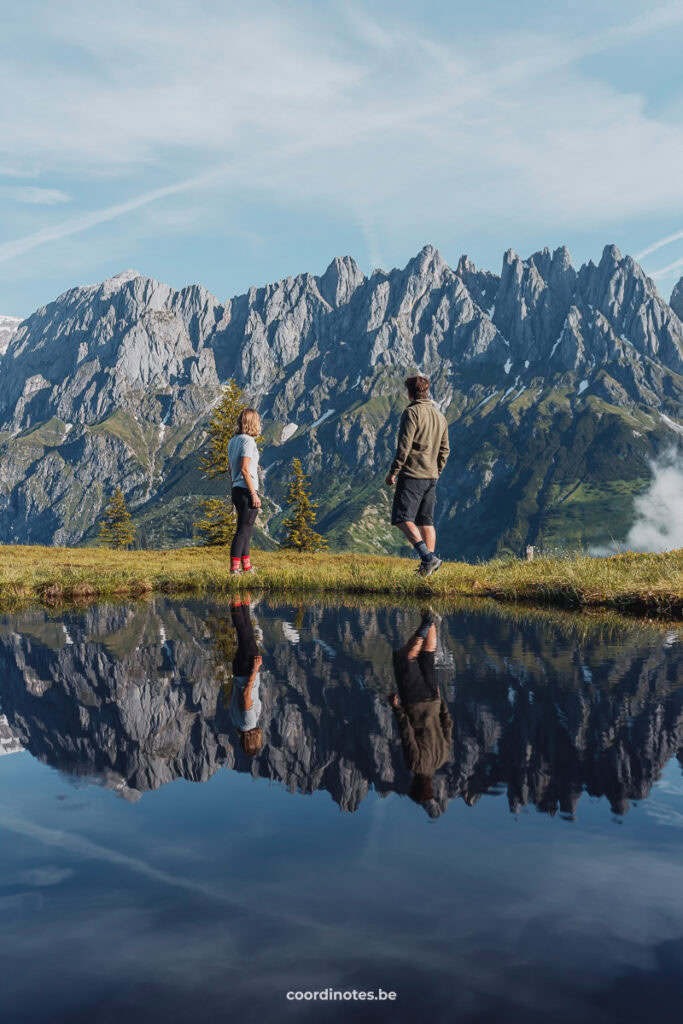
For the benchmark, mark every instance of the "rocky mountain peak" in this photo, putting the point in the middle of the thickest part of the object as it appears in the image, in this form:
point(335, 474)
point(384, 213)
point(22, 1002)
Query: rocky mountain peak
point(533, 300)
point(622, 293)
point(126, 275)
point(428, 261)
point(562, 256)
point(554, 266)
point(610, 259)
point(481, 284)
point(676, 300)
point(340, 281)
point(510, 258)
point(8, 327)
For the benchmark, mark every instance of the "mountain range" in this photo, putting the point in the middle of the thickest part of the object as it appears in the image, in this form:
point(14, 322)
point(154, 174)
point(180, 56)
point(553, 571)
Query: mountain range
point(559, 385)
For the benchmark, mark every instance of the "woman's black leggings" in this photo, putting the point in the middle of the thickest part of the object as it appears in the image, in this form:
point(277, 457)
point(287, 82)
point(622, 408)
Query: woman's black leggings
point(246, 517)
point(247, 648)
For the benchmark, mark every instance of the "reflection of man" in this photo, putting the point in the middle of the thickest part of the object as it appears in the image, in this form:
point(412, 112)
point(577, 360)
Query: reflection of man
point(245, 704)
point(423, 720)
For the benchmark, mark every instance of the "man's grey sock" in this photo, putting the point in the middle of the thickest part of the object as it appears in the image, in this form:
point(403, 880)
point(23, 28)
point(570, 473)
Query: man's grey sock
point(423, 551)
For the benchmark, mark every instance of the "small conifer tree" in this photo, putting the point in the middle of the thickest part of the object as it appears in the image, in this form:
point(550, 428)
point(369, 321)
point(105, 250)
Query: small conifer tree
point(225, 649)
point(116, 529)
point(222, 427)
point(302, 515)
point(218, 524)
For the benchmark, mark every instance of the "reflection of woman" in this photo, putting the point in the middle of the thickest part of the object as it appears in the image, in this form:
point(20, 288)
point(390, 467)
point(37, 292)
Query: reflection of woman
point(423, 720)
point(243, 456)
point(245, 703)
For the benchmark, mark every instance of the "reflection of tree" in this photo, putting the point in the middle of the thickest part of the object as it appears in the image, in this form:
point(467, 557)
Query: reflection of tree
point(224, 648)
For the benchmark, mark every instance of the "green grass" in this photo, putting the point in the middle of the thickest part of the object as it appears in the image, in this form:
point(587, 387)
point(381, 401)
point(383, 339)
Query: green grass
point(646, 584)
point(581, 514)
point(48, 434)
point(127, 429)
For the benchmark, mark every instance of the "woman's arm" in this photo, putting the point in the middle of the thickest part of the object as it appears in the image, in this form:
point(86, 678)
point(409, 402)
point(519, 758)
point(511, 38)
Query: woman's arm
point(244, 466)
point(246, 695)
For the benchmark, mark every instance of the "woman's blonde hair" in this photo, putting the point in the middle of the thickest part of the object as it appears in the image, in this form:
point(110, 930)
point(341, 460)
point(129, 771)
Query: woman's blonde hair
point(251, 741)
point(249, 422)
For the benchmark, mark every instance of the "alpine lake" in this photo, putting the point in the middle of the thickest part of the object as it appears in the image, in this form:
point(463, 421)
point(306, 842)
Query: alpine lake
point(302, 811)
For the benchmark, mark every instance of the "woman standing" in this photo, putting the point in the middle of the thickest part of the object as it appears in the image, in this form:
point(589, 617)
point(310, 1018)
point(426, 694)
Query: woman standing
point(243, 456)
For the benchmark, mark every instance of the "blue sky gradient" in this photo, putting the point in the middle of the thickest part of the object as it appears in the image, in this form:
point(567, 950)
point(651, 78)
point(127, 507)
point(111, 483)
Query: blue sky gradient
point(231, 145)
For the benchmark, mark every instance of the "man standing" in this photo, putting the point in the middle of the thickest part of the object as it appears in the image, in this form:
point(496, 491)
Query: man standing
point(421, 454)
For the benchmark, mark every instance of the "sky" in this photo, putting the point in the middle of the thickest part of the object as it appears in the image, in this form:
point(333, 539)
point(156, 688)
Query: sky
point(233, 144)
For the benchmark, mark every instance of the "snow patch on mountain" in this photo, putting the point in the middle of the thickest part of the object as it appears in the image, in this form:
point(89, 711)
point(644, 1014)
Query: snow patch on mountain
point(321, 419)
point(8, 326)
point(671, 424)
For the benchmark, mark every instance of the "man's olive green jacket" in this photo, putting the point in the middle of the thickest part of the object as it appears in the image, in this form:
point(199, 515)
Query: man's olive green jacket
point(426, 734)
point(422, 448)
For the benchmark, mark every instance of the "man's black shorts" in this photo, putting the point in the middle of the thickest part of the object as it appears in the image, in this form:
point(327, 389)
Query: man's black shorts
point(413, 501)
point(415, 677)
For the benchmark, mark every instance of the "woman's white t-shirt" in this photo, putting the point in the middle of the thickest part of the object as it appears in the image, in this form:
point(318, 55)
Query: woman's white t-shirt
point(243, 446)
point(242, 718)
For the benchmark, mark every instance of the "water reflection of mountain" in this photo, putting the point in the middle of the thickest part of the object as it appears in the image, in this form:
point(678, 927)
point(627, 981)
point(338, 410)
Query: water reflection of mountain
point(136, 697)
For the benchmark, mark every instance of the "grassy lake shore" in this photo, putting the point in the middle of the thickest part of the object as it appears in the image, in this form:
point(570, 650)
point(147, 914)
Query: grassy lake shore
point(644, 584)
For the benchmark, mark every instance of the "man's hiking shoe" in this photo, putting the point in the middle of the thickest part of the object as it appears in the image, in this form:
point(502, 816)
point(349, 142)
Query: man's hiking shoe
point(235, 572)
point(251, 571)
point(429, 613)
point(427, 568)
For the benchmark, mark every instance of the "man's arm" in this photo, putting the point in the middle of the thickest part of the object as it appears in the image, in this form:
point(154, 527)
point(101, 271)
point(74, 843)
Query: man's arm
point(406, 433)
point(444, 451)
point(411, 751)
point(446, 721)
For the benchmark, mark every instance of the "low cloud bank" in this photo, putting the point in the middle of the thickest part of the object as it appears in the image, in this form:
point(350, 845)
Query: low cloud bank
point(659, 512)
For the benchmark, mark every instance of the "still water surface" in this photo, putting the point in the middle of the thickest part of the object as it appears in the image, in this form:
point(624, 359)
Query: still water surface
point(204, 808)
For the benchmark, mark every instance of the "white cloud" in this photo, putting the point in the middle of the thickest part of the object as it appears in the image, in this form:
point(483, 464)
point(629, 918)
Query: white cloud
point(659, 512)
point(11, 171)
point(51, 874)
point(374, 120)
point(84, 847)
point(659, 244)
point(670, 268)
point(12, 249)
point(35, 196)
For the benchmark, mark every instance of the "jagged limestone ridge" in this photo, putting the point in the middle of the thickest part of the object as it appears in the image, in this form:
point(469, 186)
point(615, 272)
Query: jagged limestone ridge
point(541, 370)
